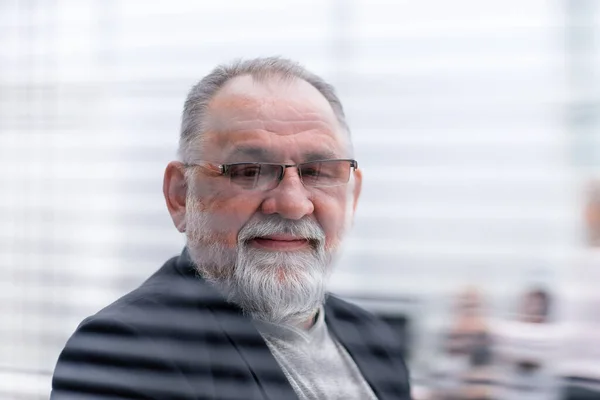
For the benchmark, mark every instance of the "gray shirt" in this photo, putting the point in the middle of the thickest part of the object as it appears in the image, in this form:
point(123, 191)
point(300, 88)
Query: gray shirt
point(317, 366)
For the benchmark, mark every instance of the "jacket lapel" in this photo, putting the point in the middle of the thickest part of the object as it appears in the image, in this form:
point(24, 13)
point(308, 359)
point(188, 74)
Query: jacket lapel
point(244, 336)
point(370, 357)
point(255, 352)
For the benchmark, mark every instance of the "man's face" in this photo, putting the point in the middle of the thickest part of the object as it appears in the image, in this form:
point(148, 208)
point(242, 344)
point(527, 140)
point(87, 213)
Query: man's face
point(269, 247)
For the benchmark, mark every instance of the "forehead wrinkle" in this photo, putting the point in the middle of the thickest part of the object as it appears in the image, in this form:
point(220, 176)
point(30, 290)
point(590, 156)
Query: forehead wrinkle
point(282, 129)
point(227, 144)
point(278, 125)
point(260, 146)
point(268, 112)
point(266, 107)
point(254, 109)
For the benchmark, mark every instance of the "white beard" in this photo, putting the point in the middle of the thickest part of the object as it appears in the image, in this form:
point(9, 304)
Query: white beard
point(274, 286)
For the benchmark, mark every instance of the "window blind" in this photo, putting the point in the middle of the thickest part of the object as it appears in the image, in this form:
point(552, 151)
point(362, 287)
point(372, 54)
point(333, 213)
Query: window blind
point(458, 112)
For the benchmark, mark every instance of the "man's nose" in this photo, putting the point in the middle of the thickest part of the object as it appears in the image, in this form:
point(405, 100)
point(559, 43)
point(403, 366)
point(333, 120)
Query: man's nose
point(291, 200)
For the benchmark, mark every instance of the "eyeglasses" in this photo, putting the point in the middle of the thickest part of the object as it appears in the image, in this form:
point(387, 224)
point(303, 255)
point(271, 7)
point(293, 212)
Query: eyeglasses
point(267, 176)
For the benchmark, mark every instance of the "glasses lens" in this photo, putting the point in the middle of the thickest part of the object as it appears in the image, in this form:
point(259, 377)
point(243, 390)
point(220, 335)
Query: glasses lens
point(254, 176)
point(325, 173)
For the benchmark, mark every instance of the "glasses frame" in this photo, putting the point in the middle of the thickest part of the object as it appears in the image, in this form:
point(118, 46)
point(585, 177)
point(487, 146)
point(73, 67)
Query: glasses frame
point(224, 169)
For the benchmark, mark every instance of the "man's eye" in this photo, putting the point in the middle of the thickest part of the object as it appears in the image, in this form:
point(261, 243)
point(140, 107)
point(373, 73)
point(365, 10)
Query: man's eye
point(249, 171)
point(310, 172)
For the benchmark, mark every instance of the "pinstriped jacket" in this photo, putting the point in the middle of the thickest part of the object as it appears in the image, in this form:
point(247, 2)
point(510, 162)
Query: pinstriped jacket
point(175, 337)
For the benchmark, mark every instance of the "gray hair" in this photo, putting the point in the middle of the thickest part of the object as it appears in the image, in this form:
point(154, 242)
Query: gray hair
point(202, 93)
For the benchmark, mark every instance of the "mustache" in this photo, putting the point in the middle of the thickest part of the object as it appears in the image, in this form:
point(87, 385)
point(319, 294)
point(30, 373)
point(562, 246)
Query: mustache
point(305, 228)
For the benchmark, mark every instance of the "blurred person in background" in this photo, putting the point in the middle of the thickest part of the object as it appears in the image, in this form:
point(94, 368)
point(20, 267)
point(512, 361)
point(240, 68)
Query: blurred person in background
point(528, 350)
point(536, 307)
point(581, 314)
point(463, 369)
point(265, 190)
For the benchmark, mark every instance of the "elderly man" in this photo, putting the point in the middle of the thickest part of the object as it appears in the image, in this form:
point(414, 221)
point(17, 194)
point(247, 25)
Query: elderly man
point(265, 189)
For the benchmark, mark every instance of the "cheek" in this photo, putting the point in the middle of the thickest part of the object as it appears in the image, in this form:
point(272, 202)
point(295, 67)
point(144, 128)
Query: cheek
point(332, 215)
point(228, 215)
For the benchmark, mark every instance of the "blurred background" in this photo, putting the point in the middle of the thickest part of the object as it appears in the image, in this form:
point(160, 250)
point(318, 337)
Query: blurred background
point(476, 124)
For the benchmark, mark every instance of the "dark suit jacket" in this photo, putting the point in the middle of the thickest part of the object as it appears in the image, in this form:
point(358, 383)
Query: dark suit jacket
point(175, 337)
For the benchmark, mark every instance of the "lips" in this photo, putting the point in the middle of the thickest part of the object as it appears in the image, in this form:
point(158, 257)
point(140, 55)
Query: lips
point(282, 237)
point(280, 242)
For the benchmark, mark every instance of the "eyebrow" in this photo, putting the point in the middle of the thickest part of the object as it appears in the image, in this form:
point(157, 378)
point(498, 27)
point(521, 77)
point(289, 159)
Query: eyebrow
point(253, 153)
point(260, 154)
point(319, 155)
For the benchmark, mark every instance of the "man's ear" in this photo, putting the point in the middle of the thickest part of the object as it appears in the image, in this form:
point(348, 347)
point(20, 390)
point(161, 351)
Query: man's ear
point(175, 191)
point(352, 196)
point(357, 188)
